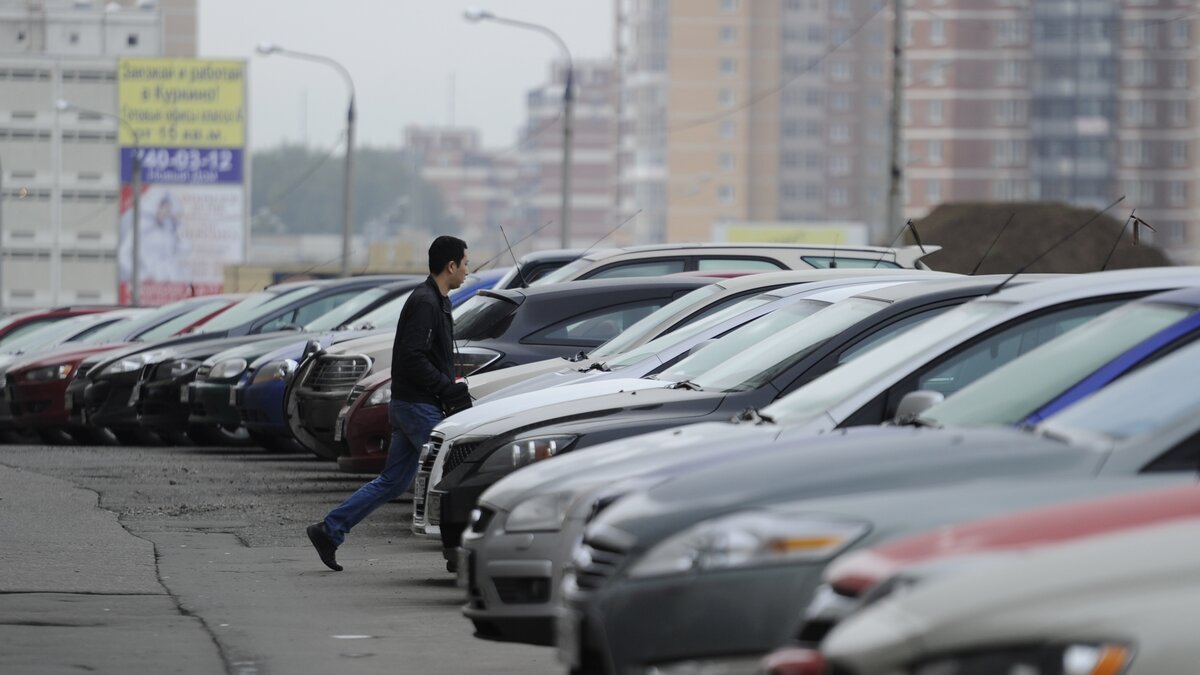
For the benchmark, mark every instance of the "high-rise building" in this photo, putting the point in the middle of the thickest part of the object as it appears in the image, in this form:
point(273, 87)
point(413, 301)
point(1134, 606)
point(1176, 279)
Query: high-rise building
point(777, 111)
point(59, 178)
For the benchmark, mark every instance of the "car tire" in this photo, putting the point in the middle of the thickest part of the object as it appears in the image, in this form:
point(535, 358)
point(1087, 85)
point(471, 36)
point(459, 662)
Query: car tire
point(136, 437)
point(99, 436)
point(54, 437)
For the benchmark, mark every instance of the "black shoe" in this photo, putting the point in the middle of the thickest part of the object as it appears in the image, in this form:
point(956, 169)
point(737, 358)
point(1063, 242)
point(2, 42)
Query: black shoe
point(321, 541)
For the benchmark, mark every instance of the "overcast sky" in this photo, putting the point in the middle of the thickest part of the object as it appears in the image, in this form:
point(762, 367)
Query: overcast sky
point(403, 56)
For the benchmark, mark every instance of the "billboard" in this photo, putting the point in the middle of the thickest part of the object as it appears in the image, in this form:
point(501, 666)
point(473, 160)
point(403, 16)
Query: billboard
point(186, 121)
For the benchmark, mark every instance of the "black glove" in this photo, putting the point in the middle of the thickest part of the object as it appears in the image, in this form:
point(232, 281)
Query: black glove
point(456, 397)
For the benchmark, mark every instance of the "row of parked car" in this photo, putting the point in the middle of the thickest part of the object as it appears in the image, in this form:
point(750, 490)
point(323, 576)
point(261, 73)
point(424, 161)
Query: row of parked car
point(723, 460)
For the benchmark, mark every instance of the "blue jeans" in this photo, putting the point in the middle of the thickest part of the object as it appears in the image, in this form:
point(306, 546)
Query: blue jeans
point(411, 425)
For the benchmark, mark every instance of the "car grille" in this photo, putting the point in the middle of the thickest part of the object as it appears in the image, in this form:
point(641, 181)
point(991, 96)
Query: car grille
point(433, 509)
point(458, 454)
point(333, 373)
point(355, 393)
point(423, 473)
point(595, 564)
point(522, 590)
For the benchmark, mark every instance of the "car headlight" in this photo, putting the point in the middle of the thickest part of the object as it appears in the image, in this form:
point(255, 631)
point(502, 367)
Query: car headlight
point(227, 369)
point(183, 367)
point(276, 371)
point(48, 373)
point(532, 450)
point(1072, 659)
point(380, 396)
point(749, 539)
point(134, 362)
point(543, 513)
point(468, 360)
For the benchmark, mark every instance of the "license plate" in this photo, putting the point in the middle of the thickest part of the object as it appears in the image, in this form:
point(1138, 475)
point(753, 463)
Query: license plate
point(233, 392)
point(68, 402)
point(419, 487)
point(339, 428)
point(185, 396)
point(566, 638)
point(135, 394)
point(464, 568)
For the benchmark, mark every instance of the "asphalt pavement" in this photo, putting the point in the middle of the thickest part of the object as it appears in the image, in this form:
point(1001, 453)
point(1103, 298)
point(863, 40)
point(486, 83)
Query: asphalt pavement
point(194, 560)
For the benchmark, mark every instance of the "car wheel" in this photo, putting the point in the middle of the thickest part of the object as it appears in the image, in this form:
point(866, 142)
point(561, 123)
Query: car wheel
point(54, 437)
point(91, 436)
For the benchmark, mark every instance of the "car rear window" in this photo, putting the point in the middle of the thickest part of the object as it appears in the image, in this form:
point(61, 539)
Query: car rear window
point(483, 317)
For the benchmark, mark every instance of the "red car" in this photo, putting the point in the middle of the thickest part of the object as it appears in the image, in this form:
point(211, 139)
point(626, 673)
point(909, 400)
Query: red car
point(363, 422)
point(36, 388)
point(18, 324)
point(856, 575)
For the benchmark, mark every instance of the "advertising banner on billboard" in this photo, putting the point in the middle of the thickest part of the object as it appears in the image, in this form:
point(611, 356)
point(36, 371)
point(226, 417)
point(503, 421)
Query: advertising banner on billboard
point(187, 126)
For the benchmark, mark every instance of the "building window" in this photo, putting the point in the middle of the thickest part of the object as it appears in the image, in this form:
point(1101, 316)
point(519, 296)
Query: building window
point(1011, 32)
point(726, 129)
point(728, 66)
point(1010, 112)
point(728, 98)
point(812, 97)
point(1179, 154)
point(727, 161)
point(1010, 73)
point(728, 34)
point(840, 71)
point(937, 32)
point(73, 38)
point(1140, 113)
point(1008, 153)
point(875, 71)
point(725, 194)
point(841, 8)
point(1140, 33)
point(839, 133)
point(1135, 153)
point(1139, 73)
point(132, 40)
point(933, 152)
point(839, 100)
point(937, 112)
point(1181, 33)
point(839, 165)
point(1179, 73)
point(729, 5)
point(933, 192)
point(1179, 113)
point(839, 196)
point(1177, 193)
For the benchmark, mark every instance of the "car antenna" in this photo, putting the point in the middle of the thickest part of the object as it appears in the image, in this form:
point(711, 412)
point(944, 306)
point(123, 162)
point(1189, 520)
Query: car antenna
point(908, 225)
point(993, 244)
point(520, 274)
point(1055, 245)
point(496, 257)
point(611, 232)
point(1120, 235)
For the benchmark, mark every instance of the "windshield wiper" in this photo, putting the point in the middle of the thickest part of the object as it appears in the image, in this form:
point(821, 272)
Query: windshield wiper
point(754, 415)
point(578, 357)
point(687, 384)
point(922, 422)
point(599, 365)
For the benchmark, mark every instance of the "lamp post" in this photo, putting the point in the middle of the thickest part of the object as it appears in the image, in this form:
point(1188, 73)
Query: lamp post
point(475, 15)
point(135, 188)
point(266, 49)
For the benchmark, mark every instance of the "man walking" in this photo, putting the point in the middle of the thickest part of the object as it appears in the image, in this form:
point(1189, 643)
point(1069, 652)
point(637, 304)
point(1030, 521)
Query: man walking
point(423, 392)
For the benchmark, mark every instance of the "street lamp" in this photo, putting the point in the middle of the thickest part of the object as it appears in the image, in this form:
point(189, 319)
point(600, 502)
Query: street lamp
point(475, 15)
point(135, 188)
point(266, 49)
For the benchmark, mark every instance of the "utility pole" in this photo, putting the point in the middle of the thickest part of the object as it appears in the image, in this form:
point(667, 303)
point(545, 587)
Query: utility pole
point(895, 149)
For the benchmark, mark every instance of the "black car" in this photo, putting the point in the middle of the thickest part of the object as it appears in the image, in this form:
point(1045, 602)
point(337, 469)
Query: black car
point(103, 396)
point(860, 323)
point(498, 329)
point(534, 266)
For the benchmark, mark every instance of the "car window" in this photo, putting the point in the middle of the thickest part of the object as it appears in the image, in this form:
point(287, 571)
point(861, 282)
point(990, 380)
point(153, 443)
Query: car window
point(340, 313)
point(259, 304)
point(307, 312)
point(169, 328)
point(887, 333)
point(386, 315)
point(999, 348)
point(483, 317)
point(26, 328)
point(828, 262)
point(595, 328)
point(49, 334)
point(637, 333)
point(713, 264)
point(648, 268)
point(567, 271)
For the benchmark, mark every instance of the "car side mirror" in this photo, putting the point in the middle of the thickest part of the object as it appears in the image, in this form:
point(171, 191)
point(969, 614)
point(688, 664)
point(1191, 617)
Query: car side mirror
point(915, 403)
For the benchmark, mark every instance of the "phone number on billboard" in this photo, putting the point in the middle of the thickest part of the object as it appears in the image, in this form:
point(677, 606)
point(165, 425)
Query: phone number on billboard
point(184, 159)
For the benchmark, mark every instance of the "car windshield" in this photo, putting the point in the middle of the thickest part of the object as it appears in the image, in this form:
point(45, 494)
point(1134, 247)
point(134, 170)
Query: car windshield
point(1158, 396)
point(482, 317)
point(1014, 391)
point(344, 312)
point(767, 350)
point(567, 271)
point(636, 334)
point(150, 325)
point(818, 396)
point(52, 334)
point(255, 306)
point(685, 333)
point(386, 315)
point(727, 346)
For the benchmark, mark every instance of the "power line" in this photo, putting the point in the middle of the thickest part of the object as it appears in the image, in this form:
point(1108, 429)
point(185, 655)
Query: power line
point(273, 201)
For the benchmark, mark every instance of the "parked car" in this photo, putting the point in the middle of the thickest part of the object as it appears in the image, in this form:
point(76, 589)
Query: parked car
point(683, 318)
point(533, 266)
point(660, 259)
point(475, 282)
point(528, 323)
point(1121, 603)
point(37, 386)
point(746, 368)
point(17, 324)
point(363, 425)
point(106, 391)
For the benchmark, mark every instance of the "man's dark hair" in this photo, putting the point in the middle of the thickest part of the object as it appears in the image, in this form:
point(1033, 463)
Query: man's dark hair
point(445, 250)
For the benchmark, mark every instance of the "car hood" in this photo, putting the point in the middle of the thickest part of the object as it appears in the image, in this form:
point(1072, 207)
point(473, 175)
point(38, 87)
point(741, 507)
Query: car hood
point(206, 348)
point(67, 355)
point(566, 374)
point(498, 382)
point(606, 463)
point(374, 343)
point(857, 460)
point(254, 350)
point(473, 419)
point(1145, 591)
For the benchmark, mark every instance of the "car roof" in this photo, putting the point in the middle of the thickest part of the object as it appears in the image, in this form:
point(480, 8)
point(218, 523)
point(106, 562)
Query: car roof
point(1092, 282)
point(951, 286)
point(602, 254)
point(554, 255)
point(592, 285)
point(789, 277)
point(1182, 296)
point(380, 279)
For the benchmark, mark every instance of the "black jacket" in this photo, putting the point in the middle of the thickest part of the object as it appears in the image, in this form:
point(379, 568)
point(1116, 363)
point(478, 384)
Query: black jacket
point(423, 353)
